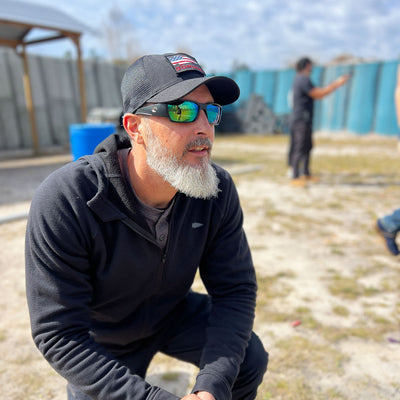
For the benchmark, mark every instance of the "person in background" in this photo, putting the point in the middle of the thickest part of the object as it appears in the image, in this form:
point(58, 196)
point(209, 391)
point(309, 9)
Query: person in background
point(115, 239)
point(389, 225)
point(301, 120)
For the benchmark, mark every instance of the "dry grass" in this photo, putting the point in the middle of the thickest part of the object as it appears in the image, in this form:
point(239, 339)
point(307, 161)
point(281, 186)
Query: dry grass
point(319, 262)
point(363, 173)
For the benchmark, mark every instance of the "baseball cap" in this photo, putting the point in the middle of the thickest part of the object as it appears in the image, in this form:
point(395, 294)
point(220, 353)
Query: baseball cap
point(168, 77)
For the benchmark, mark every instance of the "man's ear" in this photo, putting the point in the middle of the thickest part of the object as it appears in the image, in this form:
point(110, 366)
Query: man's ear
point(132, 124)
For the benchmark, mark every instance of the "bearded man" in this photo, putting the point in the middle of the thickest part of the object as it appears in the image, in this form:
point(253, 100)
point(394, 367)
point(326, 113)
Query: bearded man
point(114, 241)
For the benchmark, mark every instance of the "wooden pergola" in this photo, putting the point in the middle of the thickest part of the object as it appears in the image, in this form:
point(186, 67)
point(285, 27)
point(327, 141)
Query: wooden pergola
point(17, 21)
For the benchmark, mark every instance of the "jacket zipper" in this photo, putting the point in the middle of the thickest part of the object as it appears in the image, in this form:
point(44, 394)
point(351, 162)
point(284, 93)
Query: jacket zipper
point(165, 254)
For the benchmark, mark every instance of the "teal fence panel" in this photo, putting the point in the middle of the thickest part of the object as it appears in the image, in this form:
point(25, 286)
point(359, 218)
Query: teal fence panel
point(364, 104)
point(282, 100)
point(326, 104)
point(244, 79)
point(340, 98)
point(264, 86)
point(334, 106)
point(316, 78)
point(229, 107)
point(362, 98)
point(385, 115)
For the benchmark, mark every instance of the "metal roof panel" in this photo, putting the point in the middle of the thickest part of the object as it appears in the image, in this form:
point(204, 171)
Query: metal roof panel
point(38, 15)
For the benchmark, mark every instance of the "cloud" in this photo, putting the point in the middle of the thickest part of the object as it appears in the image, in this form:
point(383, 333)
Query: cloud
point(265, 34)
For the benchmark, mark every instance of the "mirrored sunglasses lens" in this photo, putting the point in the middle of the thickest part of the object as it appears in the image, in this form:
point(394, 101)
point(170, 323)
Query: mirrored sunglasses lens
point(185, 112)
point(213, 113)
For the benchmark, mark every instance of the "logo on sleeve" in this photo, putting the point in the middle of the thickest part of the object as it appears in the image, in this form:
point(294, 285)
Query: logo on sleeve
point(196, 225)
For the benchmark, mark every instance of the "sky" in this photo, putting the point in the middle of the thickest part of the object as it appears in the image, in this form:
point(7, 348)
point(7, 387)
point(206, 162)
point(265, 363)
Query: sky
point(225, 34)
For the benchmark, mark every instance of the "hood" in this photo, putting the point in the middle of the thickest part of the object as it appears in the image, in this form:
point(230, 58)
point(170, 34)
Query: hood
point(113, 143)
point(112, 198)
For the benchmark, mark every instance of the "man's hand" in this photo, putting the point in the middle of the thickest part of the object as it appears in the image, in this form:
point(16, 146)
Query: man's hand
point(191, 396)
point(205, 396)
point(199, 396)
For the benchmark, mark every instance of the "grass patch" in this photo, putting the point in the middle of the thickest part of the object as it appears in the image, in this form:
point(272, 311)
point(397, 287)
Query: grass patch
point(397, 309)
point(392, 283)
point(170, 376)
point(341, 311)
point(337, 250)
point(303, 354)
point(272, 287)
point(288, 389)
point(349, 288)
point(299, 388)
point(293, 362)
point(370, 327)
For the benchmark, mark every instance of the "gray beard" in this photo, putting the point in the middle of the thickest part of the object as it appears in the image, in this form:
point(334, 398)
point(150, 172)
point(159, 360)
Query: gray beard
point(200, 182)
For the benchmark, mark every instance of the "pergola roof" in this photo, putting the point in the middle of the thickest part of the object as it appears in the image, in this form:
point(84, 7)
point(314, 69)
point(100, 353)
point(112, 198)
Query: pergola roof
point(17, 20)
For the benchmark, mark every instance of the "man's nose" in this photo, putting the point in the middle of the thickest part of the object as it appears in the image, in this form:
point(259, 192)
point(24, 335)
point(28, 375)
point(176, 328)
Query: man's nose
point(203, 126)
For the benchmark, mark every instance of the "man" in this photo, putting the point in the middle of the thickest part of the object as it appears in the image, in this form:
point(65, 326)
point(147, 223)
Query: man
point(114, 241)
point(389, 225)
point(301, 120)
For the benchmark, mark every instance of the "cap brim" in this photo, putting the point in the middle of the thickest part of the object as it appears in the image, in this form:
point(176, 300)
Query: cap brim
point(223, 89)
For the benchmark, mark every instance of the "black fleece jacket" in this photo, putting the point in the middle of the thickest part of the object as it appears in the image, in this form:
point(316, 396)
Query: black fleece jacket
point(96, 281)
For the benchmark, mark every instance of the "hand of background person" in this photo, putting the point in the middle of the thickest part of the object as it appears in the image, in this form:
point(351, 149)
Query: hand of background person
point(318, 93)
point(343, 79)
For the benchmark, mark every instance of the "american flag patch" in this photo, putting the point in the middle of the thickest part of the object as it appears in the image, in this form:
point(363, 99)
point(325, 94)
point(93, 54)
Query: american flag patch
point(182, 62)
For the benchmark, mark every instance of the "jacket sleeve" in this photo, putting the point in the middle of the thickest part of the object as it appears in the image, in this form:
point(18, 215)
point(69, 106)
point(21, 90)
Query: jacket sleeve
point(59, 293)
point(229, 277)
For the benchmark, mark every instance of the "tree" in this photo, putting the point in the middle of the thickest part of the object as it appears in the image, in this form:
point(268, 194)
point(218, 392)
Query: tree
point(120, 37)
point(240, 66)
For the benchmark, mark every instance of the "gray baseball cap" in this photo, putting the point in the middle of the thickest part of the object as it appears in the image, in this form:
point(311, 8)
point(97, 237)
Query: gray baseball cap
point(169, 77)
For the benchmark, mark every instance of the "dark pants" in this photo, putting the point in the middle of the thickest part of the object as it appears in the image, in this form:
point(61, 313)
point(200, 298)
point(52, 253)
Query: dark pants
point(185, 340)
point(300, 147)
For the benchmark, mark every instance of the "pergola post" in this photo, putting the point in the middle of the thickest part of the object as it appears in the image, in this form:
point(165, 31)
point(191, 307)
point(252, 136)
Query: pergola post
point(81, 74)
point(15, 26)
point(29, 101)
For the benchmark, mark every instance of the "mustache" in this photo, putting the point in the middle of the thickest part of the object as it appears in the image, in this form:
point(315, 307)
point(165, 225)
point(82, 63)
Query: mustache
point(199, 142)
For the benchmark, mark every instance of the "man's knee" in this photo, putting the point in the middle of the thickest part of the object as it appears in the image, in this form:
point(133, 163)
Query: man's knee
point(261, 357)
point(256, 357)
point(251, 371)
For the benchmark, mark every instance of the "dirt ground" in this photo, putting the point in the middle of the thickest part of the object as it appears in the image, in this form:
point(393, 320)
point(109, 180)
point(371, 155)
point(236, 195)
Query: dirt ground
point(328, 308)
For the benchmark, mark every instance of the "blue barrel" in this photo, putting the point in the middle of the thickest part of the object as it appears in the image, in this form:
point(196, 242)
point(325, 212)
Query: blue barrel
point(85, 137)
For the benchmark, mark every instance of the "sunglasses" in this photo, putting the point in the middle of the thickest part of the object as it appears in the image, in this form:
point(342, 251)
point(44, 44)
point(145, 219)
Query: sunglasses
point(187, 111)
